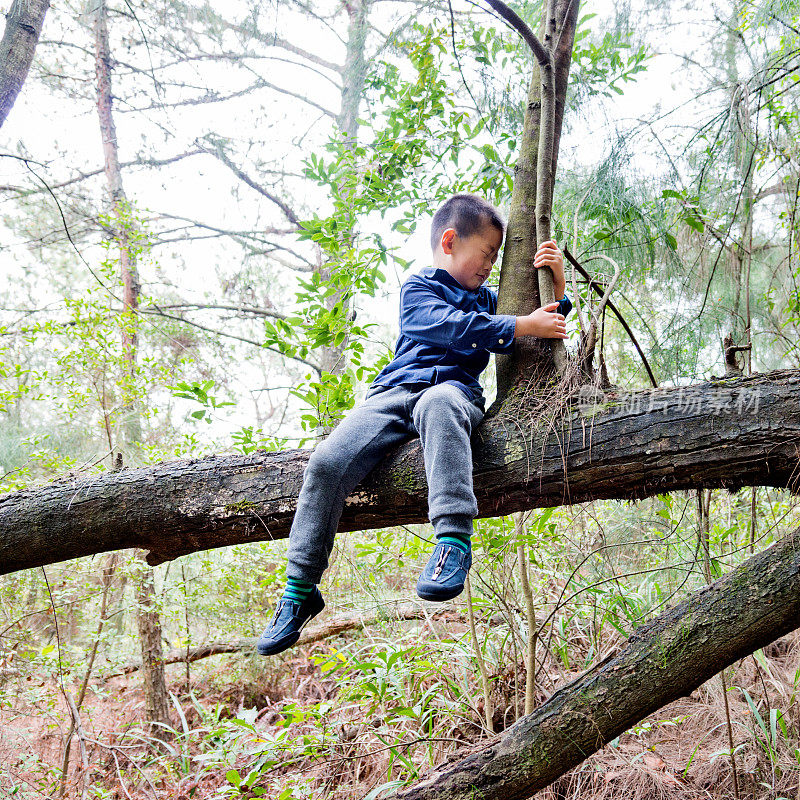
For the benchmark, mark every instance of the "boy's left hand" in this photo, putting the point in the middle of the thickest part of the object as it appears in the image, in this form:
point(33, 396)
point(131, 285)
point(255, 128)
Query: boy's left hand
point(548, 254)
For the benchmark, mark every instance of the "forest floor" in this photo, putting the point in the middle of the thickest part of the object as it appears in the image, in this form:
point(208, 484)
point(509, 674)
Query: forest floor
point(288, 719)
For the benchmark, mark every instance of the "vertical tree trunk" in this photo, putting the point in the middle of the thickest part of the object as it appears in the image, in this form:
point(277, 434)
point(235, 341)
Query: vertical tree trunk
point(530, 612)
point(519, 291)
point(744, 142)
point(353, 74)
point(121, 212)
point(149, 623)
point(155, 686)
point(23, 26)
point(354, 70)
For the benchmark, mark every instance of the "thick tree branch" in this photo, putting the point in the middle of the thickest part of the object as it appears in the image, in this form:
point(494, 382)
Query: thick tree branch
point(522, 28)
point(782, 187)
point(662, 661)
point(724, 433)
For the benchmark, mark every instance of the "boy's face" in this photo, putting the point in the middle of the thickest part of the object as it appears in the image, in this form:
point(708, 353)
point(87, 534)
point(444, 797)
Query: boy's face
point(470, 260)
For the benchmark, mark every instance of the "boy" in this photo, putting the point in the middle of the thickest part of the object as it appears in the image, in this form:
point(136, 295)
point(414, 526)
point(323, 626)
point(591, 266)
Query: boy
point(448, 326)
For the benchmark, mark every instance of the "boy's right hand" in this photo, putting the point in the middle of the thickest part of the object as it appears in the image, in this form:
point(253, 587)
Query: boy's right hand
point(545, 322)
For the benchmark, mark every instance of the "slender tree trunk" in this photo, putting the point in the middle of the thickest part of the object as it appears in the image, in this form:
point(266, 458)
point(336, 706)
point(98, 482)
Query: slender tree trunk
point(24, 23)
point(488, 708)
point(744, 140)
point(703, 533)
point(149, 623)
point(529, 217)
point(121, 210)
point(353, 72)
point(530, 613)
point(545, 175)
point(155, 686)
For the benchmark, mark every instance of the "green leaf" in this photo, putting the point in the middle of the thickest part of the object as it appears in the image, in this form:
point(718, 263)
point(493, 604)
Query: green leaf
point(234, 777)
point(694, 222)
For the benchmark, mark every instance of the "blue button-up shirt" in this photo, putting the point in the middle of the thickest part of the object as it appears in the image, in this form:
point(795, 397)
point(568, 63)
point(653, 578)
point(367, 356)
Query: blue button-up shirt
point(447, 333)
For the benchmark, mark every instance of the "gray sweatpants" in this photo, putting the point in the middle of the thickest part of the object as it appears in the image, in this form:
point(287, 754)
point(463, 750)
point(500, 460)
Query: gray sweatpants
point(442, 416)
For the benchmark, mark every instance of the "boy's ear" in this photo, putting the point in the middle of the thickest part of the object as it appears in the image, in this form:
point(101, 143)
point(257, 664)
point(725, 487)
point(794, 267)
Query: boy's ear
point(448, 236)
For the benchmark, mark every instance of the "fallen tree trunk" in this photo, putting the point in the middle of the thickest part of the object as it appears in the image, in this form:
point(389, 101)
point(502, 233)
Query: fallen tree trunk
point(330, 627)
point(723, 433)
point(668, 658)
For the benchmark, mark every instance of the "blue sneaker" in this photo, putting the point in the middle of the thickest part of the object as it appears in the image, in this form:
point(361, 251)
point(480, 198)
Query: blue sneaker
point(444, 574)
point(290, 618)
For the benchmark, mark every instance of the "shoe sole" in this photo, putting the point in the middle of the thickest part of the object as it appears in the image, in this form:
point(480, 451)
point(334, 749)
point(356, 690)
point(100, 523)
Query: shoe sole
point(441, 596)
point(275, 649)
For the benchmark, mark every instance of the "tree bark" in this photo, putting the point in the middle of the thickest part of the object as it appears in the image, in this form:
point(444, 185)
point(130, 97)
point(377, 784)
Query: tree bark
point(121, 211)
point(147, 616)
point(156, 704)
point(333, 357)
point(663, 660)
point(723, 433)
point(354, 69)
point(24, 23)
point(519, 291)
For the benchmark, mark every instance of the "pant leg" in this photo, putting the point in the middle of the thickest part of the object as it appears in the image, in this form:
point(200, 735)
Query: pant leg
point(336, 466)
point(445, 417)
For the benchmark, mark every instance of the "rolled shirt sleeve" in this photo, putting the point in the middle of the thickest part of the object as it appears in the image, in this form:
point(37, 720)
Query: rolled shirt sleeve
point(427, 318)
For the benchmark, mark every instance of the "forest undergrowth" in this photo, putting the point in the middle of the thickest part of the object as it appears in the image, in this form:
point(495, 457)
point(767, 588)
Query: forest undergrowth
point(371, 709)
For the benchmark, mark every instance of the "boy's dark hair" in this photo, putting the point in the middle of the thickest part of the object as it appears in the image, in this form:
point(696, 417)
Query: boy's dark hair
point(467, 214)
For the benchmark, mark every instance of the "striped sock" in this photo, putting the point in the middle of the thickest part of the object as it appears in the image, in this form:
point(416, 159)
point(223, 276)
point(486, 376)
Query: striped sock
point(297, 590)
point(459, 540)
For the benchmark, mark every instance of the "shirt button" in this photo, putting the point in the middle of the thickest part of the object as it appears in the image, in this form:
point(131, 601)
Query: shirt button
point(500, 341)
point(474, 345)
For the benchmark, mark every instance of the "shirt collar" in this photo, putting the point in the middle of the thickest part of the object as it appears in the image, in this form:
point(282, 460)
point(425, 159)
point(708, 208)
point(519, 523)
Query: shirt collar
point(443, 276)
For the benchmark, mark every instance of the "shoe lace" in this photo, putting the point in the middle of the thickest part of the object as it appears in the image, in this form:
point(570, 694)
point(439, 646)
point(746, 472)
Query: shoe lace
point(440, 562)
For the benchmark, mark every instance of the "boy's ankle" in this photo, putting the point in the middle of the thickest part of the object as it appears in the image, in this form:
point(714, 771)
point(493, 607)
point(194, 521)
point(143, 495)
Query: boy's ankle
point(297, 590)
point(454, 529)
point(458, 540)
